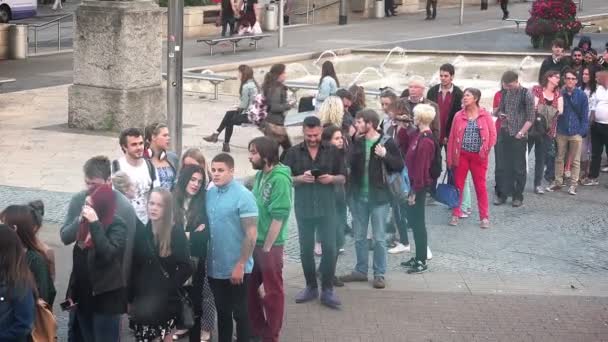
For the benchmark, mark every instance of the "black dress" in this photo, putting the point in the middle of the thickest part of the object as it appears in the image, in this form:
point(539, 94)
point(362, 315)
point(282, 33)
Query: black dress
point(149, 290)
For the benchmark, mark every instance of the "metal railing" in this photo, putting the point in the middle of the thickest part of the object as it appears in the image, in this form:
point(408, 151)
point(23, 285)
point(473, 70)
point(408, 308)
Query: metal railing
point(310, 10)
point(37, 27)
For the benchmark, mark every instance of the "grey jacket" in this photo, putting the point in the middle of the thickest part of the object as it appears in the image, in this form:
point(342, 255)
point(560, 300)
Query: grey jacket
point(124, 211)
point(277, 104)
point(248, 93)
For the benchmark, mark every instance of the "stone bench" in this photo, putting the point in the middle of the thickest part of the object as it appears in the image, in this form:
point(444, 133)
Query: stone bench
point(6, 80)
point(214, 79)
point(296, 119)
point(232, 39)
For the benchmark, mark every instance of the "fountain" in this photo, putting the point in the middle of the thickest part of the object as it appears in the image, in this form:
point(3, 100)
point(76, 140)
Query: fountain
point(458, 61)
point(299, 66)
point(396, 48)
point(326, 52)
point(366, 69)
point(526, 62)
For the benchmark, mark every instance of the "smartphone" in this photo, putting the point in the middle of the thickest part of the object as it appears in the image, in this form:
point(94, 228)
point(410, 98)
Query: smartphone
point(315, 172)
point(67, 305)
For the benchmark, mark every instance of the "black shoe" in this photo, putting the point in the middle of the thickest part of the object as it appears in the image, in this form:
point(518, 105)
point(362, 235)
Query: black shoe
point(505, 16)
point(226, 148)
point(427, 18)
point(420, 267)
point(337, 282)
point(499, 200)
point(409, 263)
point(517, 203)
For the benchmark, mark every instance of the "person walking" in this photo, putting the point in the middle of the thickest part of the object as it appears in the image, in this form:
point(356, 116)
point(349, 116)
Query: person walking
point(371, 198)
point(503, 6)
point(316, 169)
point(516, 111)
point(431, 9)
point(20, 218)
point(599, 128)
point(272, 191)
point(235, 117)
point(548, 104)
point(572, 126)
point(418, 162)
point(17, 289)
point(278, 104)
point(97, 287)
point(472, 136)
point(157, 142)
point(161, 265)
point(232, 212)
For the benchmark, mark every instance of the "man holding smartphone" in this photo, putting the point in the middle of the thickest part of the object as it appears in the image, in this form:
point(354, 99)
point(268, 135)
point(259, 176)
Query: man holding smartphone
point(316, 168)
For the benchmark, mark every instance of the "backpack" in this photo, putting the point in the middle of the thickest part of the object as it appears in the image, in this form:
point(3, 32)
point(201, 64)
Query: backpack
point(398, 183)
point(436, 163)
point(45, 325)
point(151, 170)
point(258, 110)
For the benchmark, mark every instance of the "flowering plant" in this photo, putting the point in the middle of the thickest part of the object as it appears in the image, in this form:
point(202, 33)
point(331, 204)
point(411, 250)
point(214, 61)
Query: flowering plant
point(556, 18)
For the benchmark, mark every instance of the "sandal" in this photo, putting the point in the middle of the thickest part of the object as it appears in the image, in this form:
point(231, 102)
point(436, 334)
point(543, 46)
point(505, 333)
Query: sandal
point(453, 221)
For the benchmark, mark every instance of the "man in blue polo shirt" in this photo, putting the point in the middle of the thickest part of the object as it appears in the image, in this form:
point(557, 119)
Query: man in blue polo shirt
point(232, 213)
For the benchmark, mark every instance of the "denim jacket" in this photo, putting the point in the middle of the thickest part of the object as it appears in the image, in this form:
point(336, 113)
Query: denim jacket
point(575, 119)
point(327, 87)
point(248, 93)
point(17, 312)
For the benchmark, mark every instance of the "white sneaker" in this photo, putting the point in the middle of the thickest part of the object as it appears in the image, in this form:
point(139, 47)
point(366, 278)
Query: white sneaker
point(400, 248)
point(429, 255)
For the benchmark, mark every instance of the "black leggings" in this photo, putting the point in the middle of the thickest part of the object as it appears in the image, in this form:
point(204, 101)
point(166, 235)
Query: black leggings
point(599, 143)
point(231, 118)
point(415, 215)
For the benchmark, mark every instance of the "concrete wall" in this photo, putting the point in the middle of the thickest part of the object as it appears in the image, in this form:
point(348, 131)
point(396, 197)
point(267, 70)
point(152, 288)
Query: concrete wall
point(4, 41)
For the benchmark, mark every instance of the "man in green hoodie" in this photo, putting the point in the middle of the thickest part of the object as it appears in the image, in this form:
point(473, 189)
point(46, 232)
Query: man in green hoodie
point(272, 190)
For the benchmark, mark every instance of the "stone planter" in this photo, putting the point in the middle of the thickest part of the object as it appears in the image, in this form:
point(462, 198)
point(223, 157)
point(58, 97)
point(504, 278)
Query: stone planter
point(545, 41)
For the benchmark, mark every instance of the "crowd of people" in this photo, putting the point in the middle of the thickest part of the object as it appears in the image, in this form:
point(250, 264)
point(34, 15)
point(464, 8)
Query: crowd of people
point(156, 236)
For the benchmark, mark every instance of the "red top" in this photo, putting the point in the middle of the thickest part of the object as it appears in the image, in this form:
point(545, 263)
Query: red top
point(418, 159)
point(445, 106)
point(487, 131)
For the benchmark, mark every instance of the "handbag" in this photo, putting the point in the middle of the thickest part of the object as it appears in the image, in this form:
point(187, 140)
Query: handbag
point(45, 325)
point(446, 192)
point(185, 313)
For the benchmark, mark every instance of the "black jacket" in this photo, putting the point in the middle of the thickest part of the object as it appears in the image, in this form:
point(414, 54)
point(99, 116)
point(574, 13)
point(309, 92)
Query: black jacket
point(104, 260)
point(148, 286)
point(199, 240)
point(433, 95)
point(378, 191)
point(549, 64)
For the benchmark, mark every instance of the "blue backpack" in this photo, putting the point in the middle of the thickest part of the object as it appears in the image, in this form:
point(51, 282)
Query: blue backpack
point(398, 183)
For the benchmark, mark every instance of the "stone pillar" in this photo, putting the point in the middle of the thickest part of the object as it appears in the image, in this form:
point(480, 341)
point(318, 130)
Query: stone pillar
point(117, 66)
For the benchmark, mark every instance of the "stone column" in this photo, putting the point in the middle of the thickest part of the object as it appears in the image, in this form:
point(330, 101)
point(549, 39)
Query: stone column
point(117, 66)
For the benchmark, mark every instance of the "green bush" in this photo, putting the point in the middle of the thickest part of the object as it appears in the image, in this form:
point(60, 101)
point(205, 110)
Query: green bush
point(165, 3)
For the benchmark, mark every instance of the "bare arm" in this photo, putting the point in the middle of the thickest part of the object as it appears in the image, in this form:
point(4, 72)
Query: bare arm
point(250, 228)
point(273, 233)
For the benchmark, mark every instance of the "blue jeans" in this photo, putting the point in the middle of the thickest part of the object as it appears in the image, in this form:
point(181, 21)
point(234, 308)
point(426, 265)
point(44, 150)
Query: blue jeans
point(362, 213)
point(95, 327)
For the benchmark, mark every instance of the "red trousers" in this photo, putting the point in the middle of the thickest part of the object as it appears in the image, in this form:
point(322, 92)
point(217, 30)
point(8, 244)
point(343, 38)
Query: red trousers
point(470, 161)
point(266, 314)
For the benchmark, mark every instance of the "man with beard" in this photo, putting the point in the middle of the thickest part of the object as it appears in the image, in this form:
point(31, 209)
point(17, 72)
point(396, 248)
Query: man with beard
point(577, 63)
point(272, 192)
point(316, 167)
point(516, 110)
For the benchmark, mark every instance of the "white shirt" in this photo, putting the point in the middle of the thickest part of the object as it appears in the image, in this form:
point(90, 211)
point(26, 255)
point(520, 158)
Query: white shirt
point(140, 176)
point(600, 104)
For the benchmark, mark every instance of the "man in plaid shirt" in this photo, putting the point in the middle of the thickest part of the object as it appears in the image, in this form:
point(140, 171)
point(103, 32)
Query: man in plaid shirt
point(517, 113)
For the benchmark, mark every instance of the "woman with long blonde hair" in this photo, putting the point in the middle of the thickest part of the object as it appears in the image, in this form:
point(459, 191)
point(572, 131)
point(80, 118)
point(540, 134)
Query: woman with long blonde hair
point(331, 112)
point(161, 264)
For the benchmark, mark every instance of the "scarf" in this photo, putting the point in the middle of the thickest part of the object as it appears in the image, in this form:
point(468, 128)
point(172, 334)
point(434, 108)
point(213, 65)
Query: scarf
point(104, 204)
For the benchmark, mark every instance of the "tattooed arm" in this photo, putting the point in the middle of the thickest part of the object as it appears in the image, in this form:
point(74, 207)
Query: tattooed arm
point(250, 228)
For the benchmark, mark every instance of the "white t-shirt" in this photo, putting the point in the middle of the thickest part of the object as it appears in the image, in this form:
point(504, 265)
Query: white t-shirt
point(140, 176)
point(600, 103)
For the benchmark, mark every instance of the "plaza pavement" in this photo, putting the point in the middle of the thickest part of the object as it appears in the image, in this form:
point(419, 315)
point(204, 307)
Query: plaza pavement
point(539, 274)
